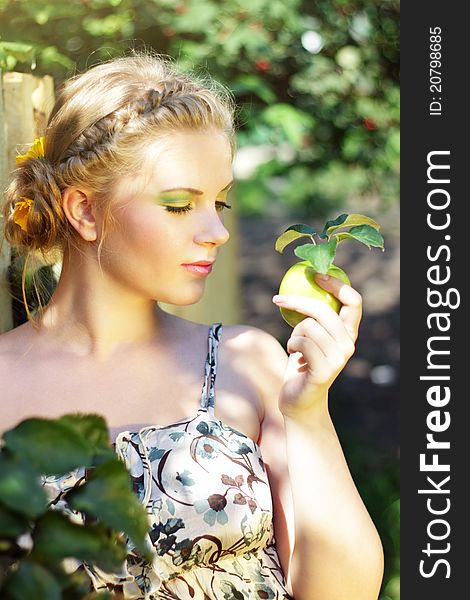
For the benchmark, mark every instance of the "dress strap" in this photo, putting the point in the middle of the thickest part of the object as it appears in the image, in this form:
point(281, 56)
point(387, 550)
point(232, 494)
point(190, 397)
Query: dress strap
point(207, 403)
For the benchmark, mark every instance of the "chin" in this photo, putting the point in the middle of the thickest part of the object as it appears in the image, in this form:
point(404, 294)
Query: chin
point(183, 299)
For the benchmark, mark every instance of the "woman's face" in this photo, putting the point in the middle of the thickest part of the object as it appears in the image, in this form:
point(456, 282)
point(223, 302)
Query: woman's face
point(152, 237)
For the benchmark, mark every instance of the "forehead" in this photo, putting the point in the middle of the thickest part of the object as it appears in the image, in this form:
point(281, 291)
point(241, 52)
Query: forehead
point(200, 160)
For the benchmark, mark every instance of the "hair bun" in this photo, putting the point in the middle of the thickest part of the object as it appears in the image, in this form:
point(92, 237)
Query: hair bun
point(39, 224)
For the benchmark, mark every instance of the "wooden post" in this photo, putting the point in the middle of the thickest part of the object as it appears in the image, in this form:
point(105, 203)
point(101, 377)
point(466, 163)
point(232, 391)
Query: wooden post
point(6, 318)
point(43, 99)
point(26, 104)
point(18, 91)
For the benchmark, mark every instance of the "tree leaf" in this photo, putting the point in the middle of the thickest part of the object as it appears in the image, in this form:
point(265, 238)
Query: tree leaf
point(52, 446)
point(20, 489)
point(292, 121)
point(56, 538)
point(30, 581)
point(94, 430)
point(294, 232)
point(345, 220)
point(13, 52)
point(108, 496)
point(320, 256)
point(75, 585)
point(365, 234)
point(247, 82)
point(12, 525)
point(333, 224)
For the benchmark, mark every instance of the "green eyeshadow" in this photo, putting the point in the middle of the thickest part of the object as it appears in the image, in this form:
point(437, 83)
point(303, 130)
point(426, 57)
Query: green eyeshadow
point(174, 199)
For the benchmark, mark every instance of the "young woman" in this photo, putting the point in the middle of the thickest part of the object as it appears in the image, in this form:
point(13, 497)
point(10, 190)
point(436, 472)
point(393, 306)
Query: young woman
point(130, 183)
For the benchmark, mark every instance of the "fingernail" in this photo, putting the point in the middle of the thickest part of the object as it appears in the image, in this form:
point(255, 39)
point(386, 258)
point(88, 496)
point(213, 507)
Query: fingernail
point(278, 298)
point(322, 276)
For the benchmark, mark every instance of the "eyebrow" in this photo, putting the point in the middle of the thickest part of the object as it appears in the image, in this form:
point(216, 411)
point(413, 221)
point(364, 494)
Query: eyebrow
point(192, 190)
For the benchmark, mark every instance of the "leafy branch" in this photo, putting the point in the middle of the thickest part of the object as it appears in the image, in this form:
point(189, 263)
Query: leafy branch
point(35, 538)
point(321, 255)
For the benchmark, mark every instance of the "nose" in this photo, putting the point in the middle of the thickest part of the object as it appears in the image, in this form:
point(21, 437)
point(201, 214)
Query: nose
point(212, 231)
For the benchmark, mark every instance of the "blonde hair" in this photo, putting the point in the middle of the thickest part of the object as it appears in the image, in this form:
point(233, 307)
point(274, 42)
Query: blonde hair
point(100, 125)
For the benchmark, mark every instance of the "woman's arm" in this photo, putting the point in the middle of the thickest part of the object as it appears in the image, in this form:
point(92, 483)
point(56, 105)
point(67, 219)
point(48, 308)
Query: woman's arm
point(337, 552)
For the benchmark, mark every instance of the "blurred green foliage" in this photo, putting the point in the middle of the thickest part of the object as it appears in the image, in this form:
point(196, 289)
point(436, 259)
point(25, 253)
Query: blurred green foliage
point(317, 81)
point(377, 477)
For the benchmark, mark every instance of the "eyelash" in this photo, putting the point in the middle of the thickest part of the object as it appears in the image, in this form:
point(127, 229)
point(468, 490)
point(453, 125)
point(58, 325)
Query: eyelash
point(184, 209)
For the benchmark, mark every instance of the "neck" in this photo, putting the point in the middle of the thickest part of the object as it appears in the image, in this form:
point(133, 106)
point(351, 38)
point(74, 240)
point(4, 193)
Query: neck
point(92, 315)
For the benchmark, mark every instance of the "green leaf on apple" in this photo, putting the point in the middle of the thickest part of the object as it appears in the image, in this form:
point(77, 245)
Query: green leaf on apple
point(333, 224)
point(320, 255)
point(346, 220)
point(294, 232)
point(363, 233)
point(318, 258)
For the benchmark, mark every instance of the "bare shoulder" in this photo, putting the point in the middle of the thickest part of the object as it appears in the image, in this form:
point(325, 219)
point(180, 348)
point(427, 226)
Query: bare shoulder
point(261, 355)
point(253, 339)
point(12, 344)
point(16, 362)
point(18, 353)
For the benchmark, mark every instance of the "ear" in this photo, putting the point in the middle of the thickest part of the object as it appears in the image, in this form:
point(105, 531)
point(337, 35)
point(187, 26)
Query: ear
point(80, 212)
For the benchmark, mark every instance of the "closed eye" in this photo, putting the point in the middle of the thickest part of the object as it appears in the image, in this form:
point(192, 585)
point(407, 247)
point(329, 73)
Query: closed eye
point(183, 209)
point(178, 210)
point(221, 205)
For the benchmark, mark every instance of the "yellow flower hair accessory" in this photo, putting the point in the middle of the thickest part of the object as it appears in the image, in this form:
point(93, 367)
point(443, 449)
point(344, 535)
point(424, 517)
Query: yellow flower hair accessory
point(21, 212)
point(36, 150)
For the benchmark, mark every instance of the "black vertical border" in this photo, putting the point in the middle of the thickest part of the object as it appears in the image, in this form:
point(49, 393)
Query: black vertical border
point(421, 134)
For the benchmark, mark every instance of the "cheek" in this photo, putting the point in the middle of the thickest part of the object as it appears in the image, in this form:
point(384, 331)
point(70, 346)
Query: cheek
point(148, 233)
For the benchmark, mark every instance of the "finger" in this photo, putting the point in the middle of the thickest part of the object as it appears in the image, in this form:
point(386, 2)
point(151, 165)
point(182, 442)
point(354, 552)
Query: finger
point(308, 353)
point(319, 310)
point(351, 311)
point(313, 358)
point(311, 328)
point(337, 352)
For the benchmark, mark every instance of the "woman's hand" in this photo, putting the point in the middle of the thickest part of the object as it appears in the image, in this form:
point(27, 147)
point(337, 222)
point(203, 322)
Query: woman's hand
point(319, 346)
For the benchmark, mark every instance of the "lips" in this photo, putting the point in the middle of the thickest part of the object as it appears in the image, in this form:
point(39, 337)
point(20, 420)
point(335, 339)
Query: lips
point(198, 268)
point(200, 263)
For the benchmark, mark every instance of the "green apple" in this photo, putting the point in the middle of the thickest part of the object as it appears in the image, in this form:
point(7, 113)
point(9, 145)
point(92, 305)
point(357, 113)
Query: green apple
point(318, 257)
point(300, 280)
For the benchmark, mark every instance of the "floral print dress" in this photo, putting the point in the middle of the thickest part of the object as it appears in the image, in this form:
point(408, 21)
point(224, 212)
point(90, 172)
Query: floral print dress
point(206, 492)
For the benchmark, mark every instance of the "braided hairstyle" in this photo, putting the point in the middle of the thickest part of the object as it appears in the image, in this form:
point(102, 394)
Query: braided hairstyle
point(100, 125)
